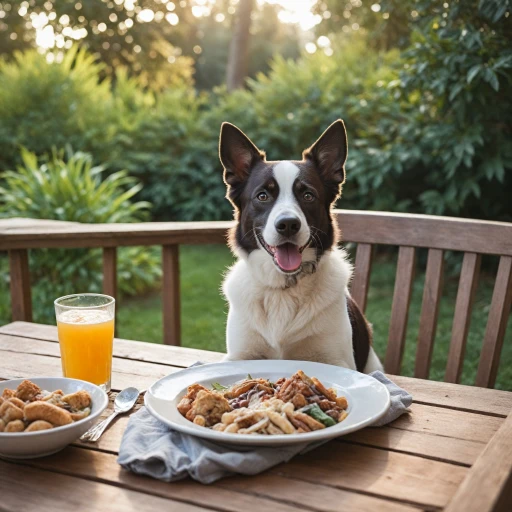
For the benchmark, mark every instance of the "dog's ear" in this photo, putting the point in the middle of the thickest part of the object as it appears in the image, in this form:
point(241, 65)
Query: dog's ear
point(237, 154)
point(329, 153)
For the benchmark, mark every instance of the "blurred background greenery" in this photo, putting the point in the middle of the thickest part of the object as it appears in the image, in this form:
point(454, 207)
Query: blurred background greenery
point(110, 112)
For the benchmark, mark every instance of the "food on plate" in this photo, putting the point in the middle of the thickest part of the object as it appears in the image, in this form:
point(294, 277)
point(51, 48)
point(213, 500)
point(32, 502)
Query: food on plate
point(28, 408)
point(291, 405)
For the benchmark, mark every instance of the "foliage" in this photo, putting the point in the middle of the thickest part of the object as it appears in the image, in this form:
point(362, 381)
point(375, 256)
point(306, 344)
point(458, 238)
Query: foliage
point(72, 189)
point(429, 126)
point(161, 43)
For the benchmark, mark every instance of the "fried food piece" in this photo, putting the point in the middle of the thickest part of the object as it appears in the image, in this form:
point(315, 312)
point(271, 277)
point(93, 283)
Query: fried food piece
point(2, 425)
point(35, 426)
point(44, 411)
point(327, 392)
point(200, 420)
point(245, 419)
point(211, 405)
point(55, 398)
point(233, 428)
point(8, 393)
point(299, 425)
point(186, 402)
point(273, 430)
point(341, 402)
point(17, 402)
point(2, 400)
point(27, 391)
point(281, 422)
point(219, 427)
point(299, 401)
point(79, 400)
point(9, 412)
point(246, 385)
point(15, 426)
point(80, 415)
point(309, 421)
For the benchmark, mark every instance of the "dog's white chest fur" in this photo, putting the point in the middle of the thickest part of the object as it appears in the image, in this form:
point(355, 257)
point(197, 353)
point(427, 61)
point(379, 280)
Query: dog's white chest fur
point(307, 321)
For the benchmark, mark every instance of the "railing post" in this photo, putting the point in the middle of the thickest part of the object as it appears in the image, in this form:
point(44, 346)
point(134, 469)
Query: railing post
point(171, 294)
point(110, 271)
point(21, 296)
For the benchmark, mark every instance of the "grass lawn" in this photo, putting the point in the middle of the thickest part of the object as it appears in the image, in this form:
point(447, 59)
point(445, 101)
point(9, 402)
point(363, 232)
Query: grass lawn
point(204, 313)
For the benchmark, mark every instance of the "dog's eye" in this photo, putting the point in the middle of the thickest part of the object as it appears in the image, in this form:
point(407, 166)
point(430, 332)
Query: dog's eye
point(308, 196)
point(262, 196)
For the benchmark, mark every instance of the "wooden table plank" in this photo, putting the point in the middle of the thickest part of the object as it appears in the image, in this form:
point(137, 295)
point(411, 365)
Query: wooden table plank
point(413, 480)
point(488, 485)
point(137, 350)
point(257, 492)
point(469, 398)
point(124, 372)
point(29, 490)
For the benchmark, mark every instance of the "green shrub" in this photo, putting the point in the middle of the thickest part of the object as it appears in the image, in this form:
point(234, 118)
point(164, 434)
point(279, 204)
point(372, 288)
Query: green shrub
point(72, 189)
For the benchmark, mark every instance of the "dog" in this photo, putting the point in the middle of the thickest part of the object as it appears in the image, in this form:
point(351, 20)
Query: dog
point(288, 292)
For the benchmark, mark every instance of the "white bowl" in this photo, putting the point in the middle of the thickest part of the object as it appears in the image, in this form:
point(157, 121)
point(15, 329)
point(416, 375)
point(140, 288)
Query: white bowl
point(21, 445)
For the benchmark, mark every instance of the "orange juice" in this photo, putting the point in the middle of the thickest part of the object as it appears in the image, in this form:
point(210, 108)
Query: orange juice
point(86, 338)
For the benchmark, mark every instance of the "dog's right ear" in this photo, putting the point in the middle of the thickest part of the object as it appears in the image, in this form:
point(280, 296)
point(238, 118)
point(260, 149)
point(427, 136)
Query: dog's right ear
point(237, 154)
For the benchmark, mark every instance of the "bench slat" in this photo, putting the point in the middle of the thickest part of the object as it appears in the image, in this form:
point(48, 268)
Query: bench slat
point(496, 325)
point(429, 312)
point(468, 283)
point(361, 281)
point(400, 309)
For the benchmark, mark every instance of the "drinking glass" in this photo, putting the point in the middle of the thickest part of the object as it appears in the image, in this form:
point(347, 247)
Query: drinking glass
point(85, 323)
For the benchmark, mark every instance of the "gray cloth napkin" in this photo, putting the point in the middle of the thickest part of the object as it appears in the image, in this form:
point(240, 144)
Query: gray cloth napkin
point(153, 449)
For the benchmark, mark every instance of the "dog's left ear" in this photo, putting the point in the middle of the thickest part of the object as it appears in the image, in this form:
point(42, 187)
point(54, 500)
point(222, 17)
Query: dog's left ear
point(329, 153)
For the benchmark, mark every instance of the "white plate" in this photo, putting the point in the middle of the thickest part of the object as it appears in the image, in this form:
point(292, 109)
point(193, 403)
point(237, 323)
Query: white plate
point(368, 399)
point(45, 442)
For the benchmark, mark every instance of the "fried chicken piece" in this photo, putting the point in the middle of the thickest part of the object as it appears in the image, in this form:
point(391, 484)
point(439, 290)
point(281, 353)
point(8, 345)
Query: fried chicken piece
point(79, 400)
point(27, 391)
point(2, 425)
point(8, 393)
point(15, 426)
point(48, 412)
point(209, 404)
point(55, 398)
point(9, 412)
point(186, 402)
point(17, 402)
point(35, 426)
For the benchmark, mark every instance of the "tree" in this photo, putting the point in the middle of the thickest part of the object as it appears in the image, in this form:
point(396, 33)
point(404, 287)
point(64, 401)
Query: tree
point(238, 49)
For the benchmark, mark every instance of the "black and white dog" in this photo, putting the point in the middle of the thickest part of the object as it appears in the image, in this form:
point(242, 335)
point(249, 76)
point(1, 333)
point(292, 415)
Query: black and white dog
point(287, 293)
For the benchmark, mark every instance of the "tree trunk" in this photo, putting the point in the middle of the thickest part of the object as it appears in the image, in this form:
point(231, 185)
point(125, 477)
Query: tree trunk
point(238, 49)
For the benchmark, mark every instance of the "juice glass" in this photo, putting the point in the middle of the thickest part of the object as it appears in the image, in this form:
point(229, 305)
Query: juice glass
point(85, 323)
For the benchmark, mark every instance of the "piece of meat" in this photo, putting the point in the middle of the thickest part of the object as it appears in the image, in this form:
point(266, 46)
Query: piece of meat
point(15, 426)
point(27, 391)
point(17, 402)
point(79, 400)
point(299, 401)
point(9, 412)
point(48, 412)
point(186, 402)
point(209, 404)
point(8, 393)
point(35, 426)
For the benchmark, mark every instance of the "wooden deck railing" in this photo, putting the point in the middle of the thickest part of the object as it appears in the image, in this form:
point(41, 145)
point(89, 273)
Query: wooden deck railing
point(438, 234)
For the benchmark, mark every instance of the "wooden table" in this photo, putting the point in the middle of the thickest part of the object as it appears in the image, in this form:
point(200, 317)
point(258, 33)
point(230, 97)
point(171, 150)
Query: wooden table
point(452, 452)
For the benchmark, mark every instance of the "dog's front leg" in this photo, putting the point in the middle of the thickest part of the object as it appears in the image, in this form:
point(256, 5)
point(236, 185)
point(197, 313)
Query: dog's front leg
point(243, 343)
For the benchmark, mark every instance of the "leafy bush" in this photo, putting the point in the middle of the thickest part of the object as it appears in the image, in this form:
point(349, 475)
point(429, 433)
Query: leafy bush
point(72, 189)
point(429, 126)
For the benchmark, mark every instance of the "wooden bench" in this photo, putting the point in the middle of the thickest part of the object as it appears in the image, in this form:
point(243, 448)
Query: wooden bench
point(367, 229)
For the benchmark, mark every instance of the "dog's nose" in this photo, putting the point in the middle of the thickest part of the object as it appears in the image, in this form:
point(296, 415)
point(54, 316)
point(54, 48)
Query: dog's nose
point(287, 226)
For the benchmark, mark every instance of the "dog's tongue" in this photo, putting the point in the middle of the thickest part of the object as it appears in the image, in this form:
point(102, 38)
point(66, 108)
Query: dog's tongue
point(288, 257)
